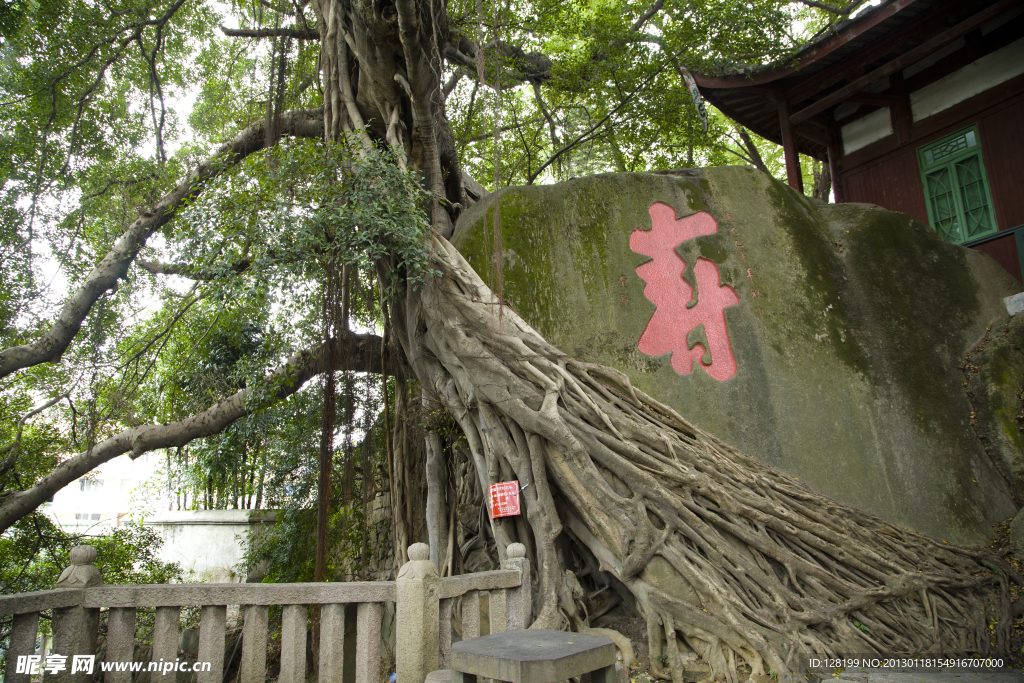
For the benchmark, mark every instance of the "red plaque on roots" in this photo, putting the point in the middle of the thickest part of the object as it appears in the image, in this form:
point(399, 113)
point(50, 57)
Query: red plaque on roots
point(504, 499)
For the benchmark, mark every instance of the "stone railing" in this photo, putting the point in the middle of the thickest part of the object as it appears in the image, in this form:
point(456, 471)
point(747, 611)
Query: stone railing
point(423, 612)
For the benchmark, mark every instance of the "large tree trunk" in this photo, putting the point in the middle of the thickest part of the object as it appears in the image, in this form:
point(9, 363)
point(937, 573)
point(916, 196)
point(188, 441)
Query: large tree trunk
point(742, 563)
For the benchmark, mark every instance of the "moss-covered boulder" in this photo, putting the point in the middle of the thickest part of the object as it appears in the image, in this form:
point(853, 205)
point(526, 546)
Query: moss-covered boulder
point(847, 327)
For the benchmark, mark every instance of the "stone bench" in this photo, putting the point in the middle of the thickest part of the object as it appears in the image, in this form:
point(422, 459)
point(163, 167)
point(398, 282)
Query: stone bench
point(534, 656)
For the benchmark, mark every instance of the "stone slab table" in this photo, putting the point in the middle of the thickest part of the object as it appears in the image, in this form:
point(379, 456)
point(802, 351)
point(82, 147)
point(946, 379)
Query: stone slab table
point(534, 656)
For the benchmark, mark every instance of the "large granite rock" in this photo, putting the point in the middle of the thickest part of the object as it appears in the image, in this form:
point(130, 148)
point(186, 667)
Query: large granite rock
point(840, 357)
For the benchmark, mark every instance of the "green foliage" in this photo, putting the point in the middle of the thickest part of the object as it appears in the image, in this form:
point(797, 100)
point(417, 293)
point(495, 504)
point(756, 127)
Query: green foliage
point(614, 99)
point(78, 94)
point(289, 214)
point(289, 548)
point(304, 207)
point(13, 14)
point(35, 551)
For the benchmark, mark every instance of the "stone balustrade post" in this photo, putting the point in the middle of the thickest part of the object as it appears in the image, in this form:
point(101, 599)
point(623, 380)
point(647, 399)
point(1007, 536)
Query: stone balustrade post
point(520, 600)
point(418, 589)
point(22, 641)
point(74, 628)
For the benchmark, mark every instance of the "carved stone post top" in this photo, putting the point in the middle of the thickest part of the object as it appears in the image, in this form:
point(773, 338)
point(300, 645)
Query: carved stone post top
point(82, 573)
point(419, 552)
point(419, 565)
point(515, 557)
point(83, 554)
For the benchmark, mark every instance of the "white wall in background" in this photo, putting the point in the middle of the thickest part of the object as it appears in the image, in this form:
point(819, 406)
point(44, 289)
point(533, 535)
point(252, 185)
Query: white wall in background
point(867, 129)
point(207, 543)
point(977, 77)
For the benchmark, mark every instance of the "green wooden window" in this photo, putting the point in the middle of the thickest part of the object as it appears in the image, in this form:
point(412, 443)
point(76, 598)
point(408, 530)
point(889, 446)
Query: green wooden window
point(956, 188)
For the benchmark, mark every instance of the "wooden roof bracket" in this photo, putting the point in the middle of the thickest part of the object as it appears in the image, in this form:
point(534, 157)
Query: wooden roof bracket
point(905, 60)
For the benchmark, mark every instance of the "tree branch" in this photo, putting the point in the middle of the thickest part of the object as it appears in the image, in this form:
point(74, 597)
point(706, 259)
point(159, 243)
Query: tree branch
point(547, 114)
point(504, 129)
point(520, 66)
point(593, 131)
point(452, 82)
point(454, 54)
point(423, 69)
point(751, 149)
point(741, 156)
point(840, 11)
point(297, 32)
point(114, 266)
point(281, 10)
point(189, 271)
point(647, 15)
point(13, 457)
point(356, 352)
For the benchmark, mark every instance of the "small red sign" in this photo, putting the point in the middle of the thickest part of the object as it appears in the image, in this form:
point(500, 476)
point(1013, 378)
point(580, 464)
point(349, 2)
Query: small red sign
point(504, 499)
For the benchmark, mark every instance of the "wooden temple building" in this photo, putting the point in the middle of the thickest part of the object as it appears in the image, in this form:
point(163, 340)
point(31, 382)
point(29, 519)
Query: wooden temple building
point(916, 105)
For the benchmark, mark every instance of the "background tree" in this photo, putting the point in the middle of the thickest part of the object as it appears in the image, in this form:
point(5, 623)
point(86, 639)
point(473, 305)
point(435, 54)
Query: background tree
point(349, 124)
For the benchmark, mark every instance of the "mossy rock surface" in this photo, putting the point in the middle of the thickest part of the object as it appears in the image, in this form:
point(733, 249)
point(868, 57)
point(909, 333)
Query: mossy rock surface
point(849, 336)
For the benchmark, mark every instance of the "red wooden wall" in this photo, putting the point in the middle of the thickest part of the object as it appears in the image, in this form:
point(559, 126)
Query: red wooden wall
point(893, 182)
point(1002, 141)
point(888, 175)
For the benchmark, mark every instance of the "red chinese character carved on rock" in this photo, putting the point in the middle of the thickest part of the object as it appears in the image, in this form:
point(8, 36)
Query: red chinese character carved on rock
point(675, 318)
